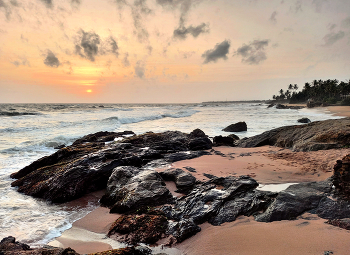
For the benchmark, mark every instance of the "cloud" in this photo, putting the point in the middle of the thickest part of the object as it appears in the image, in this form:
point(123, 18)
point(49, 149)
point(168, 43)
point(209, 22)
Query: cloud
point(182, 32)
point(89, 43)
point(51, 60)
point(346, 22)
point(21, 62)
point(220, 51)
point(140, 70)
point(126, 61)
point(297, 7)
point(273, 17)
point(333, 37)
point(6, 9)
point(113, 46)
point(48, 3)
point(318, 4)
point(253, 53)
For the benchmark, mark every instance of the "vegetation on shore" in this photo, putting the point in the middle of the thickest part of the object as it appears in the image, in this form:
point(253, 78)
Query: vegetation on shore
point(319, 91)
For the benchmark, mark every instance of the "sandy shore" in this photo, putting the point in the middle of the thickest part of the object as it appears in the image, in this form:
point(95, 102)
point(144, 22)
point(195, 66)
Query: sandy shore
point(268, 165)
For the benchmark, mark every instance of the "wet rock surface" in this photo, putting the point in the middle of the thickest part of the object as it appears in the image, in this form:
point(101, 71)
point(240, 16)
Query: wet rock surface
point(87, 164)
point(223, 141)
point(237, 127)
point(318, 135)
point(304, 120)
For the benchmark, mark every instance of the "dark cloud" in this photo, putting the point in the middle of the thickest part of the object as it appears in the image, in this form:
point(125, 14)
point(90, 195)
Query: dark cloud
point(150, 49)
point(297, 7)
point(88, 42)
point(346, 22)
point(6, 8)
point(220, 51)
point(126, 61)
point(253, 53)
point(21, 62)
point(140, 69)
point(333, 37)
point(182, 32)
point(48, 3)
point(318, 4)
point(331, 26)
point(273, 17)
point(114, 46)
point(51, 60)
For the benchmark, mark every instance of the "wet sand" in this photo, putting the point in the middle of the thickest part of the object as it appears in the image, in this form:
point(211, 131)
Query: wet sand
point(343, 111)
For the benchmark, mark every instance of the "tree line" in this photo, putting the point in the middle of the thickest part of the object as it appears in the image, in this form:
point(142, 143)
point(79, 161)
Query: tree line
point(323, 91)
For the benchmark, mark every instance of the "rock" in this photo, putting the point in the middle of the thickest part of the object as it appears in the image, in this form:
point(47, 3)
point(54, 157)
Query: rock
point(281, 106)
point(59, 146)
point(133, 250)
point(295, 200)
point(184, 181)
point(304, 120)
point(183, 229)
point(9, 246)
point(341, 176)
point(342, 223)
point(197, 133)
point(235, 137)
point(237, 127)
point(86, 165)
point(313, 136)
point(223, 141)
point(271, 105)
point(205, 200)
point(139, 228)
point(130, 188)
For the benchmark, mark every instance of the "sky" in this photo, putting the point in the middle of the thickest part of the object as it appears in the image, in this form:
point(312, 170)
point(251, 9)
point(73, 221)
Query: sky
point(168, 51)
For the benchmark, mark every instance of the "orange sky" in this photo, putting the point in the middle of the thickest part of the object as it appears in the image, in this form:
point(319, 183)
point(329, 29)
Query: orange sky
point(168, 51)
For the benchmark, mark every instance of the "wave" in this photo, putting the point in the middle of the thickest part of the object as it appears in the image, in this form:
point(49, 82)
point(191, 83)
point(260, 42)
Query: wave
point(10, 114)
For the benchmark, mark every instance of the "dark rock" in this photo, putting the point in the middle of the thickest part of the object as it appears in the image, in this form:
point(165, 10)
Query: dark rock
point(209, 176)
point(200, 143)
point(304, 120)
point(313, 136)
point(237, 127)
point(197, 133)
point(295, 200)
point(190, 169)
point(281, 106)
point(173, 157)
point(102, 136)
point(130, 188)
point(271, 105)
point(9, 244)
point(184, 181)
point(59, 146)
point(223, 141)
point(139, 228)
point(138, 250)
point(333, 208)
point(342, 223)
point(341, 176)
point(182, 229)
point(235, 137)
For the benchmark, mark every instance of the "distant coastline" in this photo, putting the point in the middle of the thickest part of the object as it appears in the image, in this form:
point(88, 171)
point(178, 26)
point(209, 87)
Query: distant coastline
point(235, 102)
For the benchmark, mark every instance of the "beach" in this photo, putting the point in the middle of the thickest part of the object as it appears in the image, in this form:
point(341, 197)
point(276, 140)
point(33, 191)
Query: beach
point(270, 166)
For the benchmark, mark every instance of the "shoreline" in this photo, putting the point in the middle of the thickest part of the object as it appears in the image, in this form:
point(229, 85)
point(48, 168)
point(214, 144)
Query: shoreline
point(268, 165)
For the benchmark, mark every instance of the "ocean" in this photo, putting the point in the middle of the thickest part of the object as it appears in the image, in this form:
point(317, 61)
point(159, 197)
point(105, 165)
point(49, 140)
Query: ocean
point(31, 131)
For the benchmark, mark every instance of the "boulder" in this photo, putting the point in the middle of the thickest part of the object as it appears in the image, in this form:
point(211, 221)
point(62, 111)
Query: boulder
point(235, 137)
point(313, 136)
point(183, 229)
point(130, 188)
point(304, 120)
point(184, 181)
point(134, 229)
point(237, 127)
point(223, 141)
point(341, 176)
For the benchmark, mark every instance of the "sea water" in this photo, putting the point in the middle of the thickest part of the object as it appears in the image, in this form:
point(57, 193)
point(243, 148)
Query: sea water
point(31, 131)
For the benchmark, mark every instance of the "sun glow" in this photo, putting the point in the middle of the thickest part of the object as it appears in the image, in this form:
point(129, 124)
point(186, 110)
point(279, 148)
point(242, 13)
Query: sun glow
point(89, 90)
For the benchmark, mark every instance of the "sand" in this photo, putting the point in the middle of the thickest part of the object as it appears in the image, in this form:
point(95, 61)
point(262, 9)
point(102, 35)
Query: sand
point(268, 165)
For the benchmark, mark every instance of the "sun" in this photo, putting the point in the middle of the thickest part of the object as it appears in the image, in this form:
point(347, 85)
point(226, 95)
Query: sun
point(89, 90)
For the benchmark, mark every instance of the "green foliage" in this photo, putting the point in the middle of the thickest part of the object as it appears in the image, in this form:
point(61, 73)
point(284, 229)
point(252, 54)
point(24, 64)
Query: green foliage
point(345, 101)
point(331, 100)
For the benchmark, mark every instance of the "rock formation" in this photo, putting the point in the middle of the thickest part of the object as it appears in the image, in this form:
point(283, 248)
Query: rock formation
point(237, 127)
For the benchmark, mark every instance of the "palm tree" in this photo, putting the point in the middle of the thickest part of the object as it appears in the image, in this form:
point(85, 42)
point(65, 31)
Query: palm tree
point(295, 87)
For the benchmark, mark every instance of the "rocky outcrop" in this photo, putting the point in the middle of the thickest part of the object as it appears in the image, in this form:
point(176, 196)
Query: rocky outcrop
point(223, 141)
point(318, 135)
point(87, 164)
point(237, 127)
point(184, 181)
point(9, 246)
point(130, 188)
point(134, 229)
point(341, 176)
point(304, 120)
point(283, 106)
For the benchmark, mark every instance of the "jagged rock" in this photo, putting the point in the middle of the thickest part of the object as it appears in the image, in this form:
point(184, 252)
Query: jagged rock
point(341, 176)
point(184, 181)
point(342, 223)
point(282, 106)
point(237, 127)
point(223, 141)
point(139, 228)
point(130, 188)
point(183, 229)
point(9, 246)
point(235, 137)
point(304, 120)
point(295, 200)
point(86, 165)
point(313, 136)
point(205, 200)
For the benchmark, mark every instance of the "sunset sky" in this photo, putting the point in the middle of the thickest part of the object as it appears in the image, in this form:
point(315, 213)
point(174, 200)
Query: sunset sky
point(168, 51)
